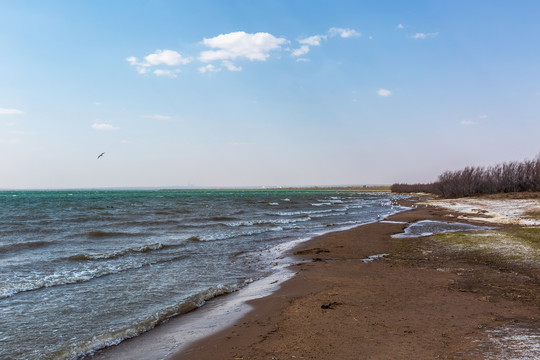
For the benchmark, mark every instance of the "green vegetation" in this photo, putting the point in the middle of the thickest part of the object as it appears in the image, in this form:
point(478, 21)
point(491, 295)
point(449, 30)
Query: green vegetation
point(513, 244)
point(533, 215)
point(529, 235)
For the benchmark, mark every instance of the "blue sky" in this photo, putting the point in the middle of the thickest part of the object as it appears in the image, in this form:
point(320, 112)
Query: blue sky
point(254, 93)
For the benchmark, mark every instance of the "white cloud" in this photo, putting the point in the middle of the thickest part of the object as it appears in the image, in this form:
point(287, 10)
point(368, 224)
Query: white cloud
point(208, 68)
point(241, 45)
point(422, 36)
point(314, 40)
point(384, 92)
point(166, 72)
point(482, 116)
point(344, 33)
point(302, 50)
point(231, 67)
point(105, 127)
point(16, 132)
point(132, 60)
point(96, 103)
point(160, 57)
point(141, 67)
point(302, 60)
point(4, 111)
point(467, 122)
point(400, 26)
point(167, 57)
point(157, 117)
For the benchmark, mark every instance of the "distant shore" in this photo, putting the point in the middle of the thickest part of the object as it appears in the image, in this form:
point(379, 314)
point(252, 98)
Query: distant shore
point(422, 298)
point(381, 188)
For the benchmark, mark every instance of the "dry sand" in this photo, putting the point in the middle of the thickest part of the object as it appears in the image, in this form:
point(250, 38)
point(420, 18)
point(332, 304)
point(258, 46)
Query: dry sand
point(421, 301)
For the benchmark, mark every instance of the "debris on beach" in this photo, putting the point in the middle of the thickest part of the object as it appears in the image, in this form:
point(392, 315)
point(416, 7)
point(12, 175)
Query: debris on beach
point(329, 305)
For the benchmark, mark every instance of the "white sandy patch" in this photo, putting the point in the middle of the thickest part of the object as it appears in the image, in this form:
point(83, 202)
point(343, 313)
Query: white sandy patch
point(510, 211)
point(514, 344)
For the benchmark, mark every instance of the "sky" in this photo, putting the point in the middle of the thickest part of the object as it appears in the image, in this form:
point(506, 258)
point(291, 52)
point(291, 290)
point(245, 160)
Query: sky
point(263, 93)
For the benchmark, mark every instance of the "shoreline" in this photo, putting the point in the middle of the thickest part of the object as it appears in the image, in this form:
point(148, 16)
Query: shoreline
point(177, 333)
point(338, 306)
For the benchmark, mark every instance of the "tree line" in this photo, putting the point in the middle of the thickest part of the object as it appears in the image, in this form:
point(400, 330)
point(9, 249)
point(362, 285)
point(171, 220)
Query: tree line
point(513, 176)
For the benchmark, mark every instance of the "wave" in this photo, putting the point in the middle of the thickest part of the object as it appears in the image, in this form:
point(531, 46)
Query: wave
point(262, 222)
point(16, 229)
point(117, 254)
point(70, 276)
point(84, 218)
point(223, 218)
point(147, 222)
point(100, 234)
point(25, 245)
point(172, 211)
point(195, 238)
point(302, 212)
point(309, 212)
point(333, 200)
point(222, 236)
point(90, 346)
point(104, 234)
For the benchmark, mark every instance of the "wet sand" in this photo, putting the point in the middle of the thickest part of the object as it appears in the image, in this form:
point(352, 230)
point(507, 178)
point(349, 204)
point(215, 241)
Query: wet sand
point(421, 301)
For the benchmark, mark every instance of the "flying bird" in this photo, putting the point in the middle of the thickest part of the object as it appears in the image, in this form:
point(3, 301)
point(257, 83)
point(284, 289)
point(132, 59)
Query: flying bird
point(100, 155)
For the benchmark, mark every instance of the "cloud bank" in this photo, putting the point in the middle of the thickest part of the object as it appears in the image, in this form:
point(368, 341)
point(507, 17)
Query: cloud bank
point(226, 48)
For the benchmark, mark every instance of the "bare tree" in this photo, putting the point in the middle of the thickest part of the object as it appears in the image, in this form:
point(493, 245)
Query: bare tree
point(475, 180)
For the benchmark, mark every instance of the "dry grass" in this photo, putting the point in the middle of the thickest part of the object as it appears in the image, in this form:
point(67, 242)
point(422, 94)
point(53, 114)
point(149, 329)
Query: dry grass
point(533, 215)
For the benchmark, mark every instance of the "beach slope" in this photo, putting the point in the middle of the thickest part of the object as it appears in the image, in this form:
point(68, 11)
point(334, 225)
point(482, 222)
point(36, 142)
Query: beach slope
point(361, 294)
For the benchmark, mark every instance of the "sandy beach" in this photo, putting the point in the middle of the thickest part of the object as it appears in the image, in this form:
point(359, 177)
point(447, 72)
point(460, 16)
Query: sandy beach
point(415, 298)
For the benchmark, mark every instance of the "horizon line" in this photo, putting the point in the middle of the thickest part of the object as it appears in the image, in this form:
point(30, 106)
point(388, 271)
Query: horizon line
point(194, 187)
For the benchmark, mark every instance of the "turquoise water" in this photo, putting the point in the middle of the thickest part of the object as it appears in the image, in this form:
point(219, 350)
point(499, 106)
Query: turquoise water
point(82, 270)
